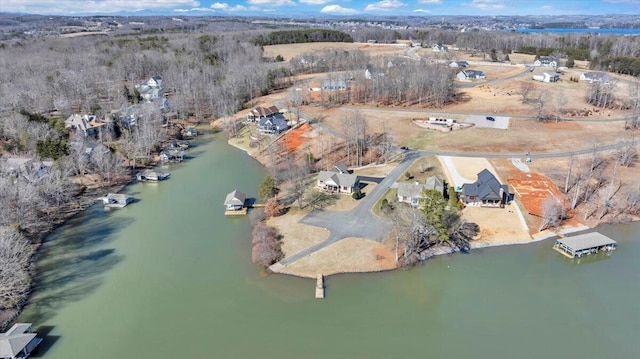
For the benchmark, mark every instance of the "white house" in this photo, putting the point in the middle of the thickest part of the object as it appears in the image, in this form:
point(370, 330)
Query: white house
point(235, 201)
point(455, 64)
point(470, 75)
point(439, 48)
point(372, 72)
point(546, 61)
point(151, 88)
point(338, 180)
point(595, 77)
point(547, 77)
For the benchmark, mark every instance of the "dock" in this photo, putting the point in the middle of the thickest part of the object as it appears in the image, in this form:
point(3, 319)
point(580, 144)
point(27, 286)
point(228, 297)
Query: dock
point(237, 212)
point(584, 244)
point(320, 286)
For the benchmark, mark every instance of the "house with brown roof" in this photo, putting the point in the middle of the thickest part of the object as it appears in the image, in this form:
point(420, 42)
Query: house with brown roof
point(260, 112)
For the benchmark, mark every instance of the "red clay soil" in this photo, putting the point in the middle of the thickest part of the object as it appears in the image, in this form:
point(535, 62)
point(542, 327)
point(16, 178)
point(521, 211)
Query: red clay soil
point(295, 138)
point(533, 189)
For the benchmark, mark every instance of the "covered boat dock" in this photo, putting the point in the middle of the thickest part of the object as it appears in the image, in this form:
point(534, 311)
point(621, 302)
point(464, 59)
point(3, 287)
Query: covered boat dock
point(584, 244)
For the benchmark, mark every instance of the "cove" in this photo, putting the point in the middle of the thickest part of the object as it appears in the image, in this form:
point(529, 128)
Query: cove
point(171, 277)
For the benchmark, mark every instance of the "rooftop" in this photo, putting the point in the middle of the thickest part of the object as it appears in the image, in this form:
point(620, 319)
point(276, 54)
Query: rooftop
point(585, 241)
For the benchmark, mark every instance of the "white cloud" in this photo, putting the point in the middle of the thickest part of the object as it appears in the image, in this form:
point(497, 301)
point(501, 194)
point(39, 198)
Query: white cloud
point(384, 5)
point(433, 2)
point(93, 6)
point(315, 2)
point(421, 10)
point(546, 7)
point(337, 9)
point(486, 4)
point(270, 3)
point(223, 6)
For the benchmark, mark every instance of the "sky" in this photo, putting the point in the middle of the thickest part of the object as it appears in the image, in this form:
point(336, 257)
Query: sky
point(290, 8)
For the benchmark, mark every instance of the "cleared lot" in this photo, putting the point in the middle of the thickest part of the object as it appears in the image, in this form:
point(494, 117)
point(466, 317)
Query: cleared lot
point(500, 122)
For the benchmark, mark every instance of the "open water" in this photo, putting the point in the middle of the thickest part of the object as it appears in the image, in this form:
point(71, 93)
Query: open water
point(171, 277)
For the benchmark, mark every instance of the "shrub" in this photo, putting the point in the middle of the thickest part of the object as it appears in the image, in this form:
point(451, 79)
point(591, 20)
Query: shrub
point(266, 245)
point(357, 194)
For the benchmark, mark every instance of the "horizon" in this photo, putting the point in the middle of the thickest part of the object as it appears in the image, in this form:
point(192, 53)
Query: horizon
point(323, 8)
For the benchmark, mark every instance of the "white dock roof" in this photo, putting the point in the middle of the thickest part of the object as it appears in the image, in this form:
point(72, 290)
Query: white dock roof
point(588, 240)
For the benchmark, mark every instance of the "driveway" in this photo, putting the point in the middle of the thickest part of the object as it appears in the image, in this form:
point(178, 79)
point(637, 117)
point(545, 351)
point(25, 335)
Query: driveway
point(359, 222)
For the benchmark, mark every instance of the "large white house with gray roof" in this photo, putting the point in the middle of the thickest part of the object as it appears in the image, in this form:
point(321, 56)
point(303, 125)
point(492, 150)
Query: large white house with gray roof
point(338, 180)
point(470, 75)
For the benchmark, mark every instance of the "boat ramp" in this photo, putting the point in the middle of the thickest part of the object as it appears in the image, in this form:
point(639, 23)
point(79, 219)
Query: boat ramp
point(584, 244)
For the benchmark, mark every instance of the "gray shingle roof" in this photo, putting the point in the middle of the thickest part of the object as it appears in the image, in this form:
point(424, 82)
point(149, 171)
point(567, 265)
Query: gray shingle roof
point(15, 339)
point(236, 198)
point(486, 187)
point(414, 189)
point(340, 179)
point(588, 240)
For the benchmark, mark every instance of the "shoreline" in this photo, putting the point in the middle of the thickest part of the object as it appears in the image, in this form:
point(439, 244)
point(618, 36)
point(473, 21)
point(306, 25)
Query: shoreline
point(84, 202)
point(440, 250)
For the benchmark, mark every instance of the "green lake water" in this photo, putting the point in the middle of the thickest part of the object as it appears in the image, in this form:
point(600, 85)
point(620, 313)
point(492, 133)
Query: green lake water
point(171, 277)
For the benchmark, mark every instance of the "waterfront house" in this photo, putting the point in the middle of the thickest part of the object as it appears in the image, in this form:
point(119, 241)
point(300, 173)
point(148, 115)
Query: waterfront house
point(18, 342)
point(172, 155)
point(88, 125)
point(546, 61)
point(272, 124)
point(486, 191)
point(338, 180)
point(259, 112)
point(151, 88)
point(26, 167)
point(235, 201)
point(470, 75)
point(411, 192)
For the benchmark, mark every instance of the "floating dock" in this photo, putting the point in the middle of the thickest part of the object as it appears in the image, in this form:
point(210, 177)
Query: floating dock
point(238, 212)
point(584, 244)
point(320, 286)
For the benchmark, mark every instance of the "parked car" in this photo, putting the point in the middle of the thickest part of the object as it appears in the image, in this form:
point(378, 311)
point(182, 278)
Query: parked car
point(489, 118)
point(404, 148)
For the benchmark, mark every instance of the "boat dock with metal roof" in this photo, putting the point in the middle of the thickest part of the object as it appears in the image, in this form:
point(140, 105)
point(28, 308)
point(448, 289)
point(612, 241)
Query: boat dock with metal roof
point(584, 244)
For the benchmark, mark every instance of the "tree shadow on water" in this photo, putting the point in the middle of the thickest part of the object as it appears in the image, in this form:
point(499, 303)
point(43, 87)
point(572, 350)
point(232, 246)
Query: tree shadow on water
point(72, 263)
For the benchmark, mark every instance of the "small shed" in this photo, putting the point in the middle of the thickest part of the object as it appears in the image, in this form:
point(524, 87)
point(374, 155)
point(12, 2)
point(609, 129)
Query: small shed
point(235, 201)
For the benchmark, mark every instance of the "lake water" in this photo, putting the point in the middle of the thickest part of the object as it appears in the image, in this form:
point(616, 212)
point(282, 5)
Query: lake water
point(583, 31)
point(171, 277)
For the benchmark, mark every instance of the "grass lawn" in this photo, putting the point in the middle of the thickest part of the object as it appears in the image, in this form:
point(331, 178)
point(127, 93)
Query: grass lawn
point(431, 167)
point(242, 140)
point(391, 196)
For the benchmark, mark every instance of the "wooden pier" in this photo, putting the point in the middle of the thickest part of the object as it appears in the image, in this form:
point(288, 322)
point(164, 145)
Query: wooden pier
point(239, 212)
point(584, 244)
point(320, 286)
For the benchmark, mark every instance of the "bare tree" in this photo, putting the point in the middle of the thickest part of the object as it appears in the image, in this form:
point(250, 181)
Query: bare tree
point(553, 213)
point(525, 90)
point(628, 154)
point(566, 182)
point(15, 256)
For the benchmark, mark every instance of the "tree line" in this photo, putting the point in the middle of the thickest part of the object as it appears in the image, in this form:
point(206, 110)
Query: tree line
point(301, 36)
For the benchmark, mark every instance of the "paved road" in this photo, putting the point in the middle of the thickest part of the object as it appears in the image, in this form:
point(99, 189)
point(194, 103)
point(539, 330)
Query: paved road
point(358, 222)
